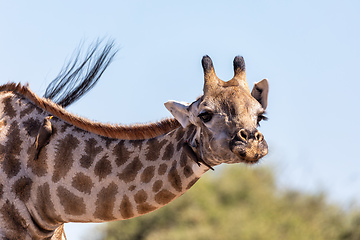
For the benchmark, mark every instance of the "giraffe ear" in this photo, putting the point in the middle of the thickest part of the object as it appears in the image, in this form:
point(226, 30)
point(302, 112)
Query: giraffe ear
point(180, 111)
point(260, 92)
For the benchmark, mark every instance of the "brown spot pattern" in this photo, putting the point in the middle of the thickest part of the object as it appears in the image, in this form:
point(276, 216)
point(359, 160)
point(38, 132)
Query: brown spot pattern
point(174, 178)
point(157, 185)
point(192, 183)
point(73, 205)
point(145, 208)
point(22, 188)
point(15, 223)
point(179, 135)
point(121, 153)
point(154, 148)
point(64, 156)
point(105, 202)
point(188, 171)
point(126, 210)
point(103, 168)
point(107, 140)
point(82, 183)
point(183, 159)
point(179, 145)
point(132, 188)
point(131, 170)
point(27, 110)
point(140, 197)
point(78, 130)
point(164, 197)
point(64, 127)
point(8, 108)
point(91, 151)
point(169, 152)
point(162, 169)
point(137, 143)
point(45, 206)
point(38, 166)
point(148, 174)
point(1, 191)
point(32, 126)
point(191, 132)
point(9, 157)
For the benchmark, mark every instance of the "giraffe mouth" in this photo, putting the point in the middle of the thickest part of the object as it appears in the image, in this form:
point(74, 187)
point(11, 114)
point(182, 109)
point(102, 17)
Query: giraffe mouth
point(250, 152)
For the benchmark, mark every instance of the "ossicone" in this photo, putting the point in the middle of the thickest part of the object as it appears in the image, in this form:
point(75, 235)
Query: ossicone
point(239, 69)
point(207, 63)
point(239, 64)
point(210, 78)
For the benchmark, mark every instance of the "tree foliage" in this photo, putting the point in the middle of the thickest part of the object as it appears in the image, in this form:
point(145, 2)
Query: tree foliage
point(241, 203)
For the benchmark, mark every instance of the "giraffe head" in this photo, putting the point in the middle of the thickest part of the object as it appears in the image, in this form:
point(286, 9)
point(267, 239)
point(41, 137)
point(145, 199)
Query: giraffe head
point(225, 118)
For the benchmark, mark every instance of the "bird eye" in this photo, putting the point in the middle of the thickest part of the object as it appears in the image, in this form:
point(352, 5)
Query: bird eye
point(205, 116)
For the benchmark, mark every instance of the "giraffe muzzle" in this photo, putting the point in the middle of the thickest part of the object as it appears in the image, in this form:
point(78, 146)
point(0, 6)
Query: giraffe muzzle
point(249, 146)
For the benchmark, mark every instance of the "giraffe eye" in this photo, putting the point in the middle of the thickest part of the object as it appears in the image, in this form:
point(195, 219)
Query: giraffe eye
point(205, 116)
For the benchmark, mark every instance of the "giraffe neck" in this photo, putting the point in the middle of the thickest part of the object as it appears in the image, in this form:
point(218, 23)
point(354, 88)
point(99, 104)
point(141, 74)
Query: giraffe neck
point(84, 177)
point(81, 176)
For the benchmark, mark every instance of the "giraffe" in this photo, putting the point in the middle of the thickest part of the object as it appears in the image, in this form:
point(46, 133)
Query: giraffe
point(94, 172)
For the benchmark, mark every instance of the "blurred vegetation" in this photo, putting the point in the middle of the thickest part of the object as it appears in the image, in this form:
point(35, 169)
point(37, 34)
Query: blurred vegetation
point(241, 203)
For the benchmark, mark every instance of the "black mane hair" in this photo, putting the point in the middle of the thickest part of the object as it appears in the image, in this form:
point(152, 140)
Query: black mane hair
point(76, 79)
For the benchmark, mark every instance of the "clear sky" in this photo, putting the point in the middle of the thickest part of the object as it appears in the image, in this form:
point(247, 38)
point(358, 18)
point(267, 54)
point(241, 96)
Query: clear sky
point(309, 51)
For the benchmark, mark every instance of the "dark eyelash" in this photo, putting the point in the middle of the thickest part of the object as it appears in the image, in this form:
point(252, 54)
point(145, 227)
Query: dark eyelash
point(261, 117)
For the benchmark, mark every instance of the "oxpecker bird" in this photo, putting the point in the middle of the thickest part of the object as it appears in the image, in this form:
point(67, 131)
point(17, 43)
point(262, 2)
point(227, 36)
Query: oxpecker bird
point(43, 136)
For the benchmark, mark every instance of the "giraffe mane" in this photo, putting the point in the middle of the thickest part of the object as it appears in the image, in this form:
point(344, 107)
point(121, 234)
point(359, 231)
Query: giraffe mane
point(135, 131)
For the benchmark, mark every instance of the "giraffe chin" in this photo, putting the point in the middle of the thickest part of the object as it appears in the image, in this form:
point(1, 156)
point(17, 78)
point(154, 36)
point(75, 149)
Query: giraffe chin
point(250, 159)
point(250, 153)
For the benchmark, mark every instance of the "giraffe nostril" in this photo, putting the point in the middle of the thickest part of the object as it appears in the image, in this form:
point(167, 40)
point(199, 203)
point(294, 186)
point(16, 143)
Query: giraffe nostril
point(243, 135)
point(259, 137)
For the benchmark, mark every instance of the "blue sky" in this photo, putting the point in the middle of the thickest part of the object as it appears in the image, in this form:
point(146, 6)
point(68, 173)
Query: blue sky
point(309, 51)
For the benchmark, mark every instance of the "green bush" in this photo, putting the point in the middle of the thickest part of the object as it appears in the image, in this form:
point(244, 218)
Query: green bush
point(241, 203)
